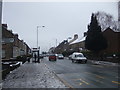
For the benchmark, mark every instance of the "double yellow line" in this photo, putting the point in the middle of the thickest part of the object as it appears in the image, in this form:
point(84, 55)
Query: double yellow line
point(115, 82)
point(84, 81)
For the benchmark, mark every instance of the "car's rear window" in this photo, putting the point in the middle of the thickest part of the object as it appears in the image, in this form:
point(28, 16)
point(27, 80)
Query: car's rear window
point(52, 54)
point(79, 55)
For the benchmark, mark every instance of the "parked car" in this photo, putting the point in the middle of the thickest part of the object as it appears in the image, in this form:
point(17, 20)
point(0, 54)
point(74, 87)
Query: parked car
point(78, 57)
point(60, 56)
point(52, 57)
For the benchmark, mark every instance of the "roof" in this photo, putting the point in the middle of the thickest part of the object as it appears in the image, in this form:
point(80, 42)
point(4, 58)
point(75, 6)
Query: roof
point(78, 40)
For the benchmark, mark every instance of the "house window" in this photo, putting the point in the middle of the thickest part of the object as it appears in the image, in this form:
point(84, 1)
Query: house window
point(7, 40)
point(15, 51)
point(3, 53)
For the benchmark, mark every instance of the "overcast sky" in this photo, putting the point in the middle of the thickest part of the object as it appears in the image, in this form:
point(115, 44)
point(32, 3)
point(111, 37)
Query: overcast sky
point(61, 19)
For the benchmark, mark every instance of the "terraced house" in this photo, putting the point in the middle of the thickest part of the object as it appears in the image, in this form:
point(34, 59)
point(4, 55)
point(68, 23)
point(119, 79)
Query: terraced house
point(12, 46)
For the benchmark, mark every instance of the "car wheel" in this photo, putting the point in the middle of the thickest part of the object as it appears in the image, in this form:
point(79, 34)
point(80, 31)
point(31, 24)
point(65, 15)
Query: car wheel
point(86, 61)
point(72, 61)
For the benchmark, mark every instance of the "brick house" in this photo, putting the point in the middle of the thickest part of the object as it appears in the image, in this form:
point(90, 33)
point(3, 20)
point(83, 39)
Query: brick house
point(113, 40)
point(7, 42)
point(112, 37)
point(78, 46)
point(12, 46)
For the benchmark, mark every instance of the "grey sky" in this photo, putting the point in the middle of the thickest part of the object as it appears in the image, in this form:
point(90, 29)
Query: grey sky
point(61, 19)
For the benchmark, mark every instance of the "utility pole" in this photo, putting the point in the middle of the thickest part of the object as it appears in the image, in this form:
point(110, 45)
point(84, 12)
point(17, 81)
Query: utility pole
point(38, 48)
point(37, 33)
point(56, 42)
point(0, 43)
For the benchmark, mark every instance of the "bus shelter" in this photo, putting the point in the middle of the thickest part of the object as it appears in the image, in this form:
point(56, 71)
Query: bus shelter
point(35, 54)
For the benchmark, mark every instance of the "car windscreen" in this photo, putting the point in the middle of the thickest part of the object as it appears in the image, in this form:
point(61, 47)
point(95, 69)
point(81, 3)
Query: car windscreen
point(60, 55)
point(79, 55)
point(52, 55)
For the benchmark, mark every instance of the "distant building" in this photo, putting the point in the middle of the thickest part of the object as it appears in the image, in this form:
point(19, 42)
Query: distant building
point(12, 46)
point(78, 45)
point(51, 50)
point(75, 38)
point(64, 45)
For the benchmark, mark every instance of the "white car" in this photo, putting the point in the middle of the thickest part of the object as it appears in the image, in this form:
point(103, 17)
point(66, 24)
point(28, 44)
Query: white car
point(60, 56)
point(78, 57)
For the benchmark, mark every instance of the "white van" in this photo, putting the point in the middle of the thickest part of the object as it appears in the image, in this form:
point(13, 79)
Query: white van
point(78, 57)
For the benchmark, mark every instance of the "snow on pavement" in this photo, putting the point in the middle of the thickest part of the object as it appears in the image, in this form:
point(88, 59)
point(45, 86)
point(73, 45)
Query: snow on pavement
point(32, 75)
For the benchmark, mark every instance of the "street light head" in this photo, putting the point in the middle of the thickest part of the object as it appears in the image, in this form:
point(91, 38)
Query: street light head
point(69, 37)
point(40, 26)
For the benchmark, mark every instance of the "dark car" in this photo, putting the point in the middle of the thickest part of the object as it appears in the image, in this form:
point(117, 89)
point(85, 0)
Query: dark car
point(52, 57)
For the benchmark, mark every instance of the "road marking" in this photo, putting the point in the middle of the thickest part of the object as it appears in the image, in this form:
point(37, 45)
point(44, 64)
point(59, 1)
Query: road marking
point(80, 83)
point(99, 76)
point(116, 82)
point(95, 75)
point(66, 83)
point(84, 81)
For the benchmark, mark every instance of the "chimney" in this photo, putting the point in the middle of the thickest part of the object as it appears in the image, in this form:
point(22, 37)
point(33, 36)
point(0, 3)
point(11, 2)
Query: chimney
point(85, 34)
point(10, 31)
point(75, 37)
point(4, 26)
point(16, 35)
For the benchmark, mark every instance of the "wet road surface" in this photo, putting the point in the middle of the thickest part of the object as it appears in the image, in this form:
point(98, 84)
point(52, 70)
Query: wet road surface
point(78, 75)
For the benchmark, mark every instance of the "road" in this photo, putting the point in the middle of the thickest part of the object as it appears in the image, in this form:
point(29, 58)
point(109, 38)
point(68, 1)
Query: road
point(78, 75)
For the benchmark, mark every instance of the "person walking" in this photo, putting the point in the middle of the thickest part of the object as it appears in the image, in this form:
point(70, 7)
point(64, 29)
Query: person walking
point(35, 56)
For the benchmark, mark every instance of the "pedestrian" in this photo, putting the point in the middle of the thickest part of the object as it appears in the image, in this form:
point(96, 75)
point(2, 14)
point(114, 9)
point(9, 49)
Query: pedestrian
point(35, 56)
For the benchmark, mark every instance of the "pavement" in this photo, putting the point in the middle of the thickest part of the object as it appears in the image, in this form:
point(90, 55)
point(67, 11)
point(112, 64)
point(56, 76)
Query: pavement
point(32, 75)
point(104, 63)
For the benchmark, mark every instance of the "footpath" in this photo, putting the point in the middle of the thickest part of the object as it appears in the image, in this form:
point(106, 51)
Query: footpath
point(104, 63)
point(32, 75)
point(101, 62)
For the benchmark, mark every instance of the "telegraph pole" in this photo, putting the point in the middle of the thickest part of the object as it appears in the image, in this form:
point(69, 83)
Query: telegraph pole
point(0, 43)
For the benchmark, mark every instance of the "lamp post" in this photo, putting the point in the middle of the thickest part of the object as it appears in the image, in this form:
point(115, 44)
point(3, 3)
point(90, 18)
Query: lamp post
point(38, 49)
point(37, 34)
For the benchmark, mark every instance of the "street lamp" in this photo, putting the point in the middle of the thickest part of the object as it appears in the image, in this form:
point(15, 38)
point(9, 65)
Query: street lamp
point(38, 49)
point(37, 34)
